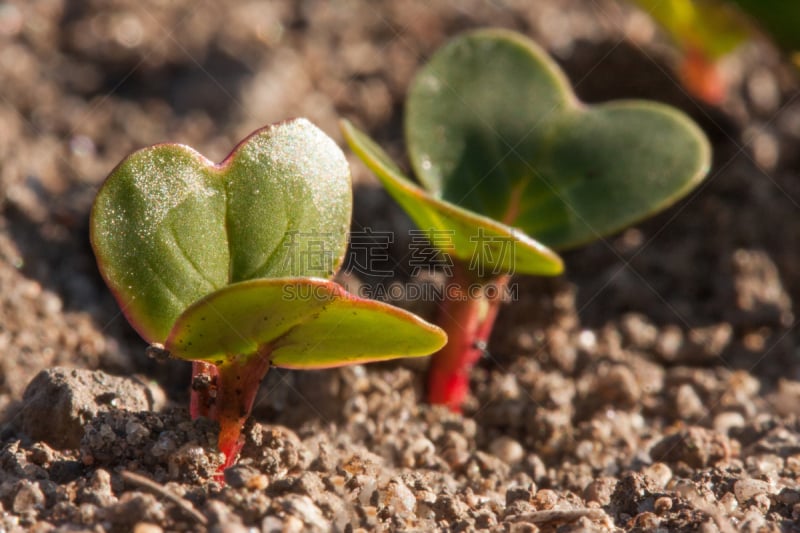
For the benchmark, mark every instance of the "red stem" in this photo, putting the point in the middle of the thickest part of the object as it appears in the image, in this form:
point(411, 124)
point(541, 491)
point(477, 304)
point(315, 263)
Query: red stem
point(468, 323)
point(237, 391)
point(229, 397)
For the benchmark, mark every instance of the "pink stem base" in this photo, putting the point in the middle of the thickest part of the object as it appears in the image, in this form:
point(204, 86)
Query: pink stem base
point(468, 323)
point(226, 393)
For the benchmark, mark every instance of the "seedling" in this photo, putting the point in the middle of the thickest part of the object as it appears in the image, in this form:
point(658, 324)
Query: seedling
point(227, 266)
point(506, 154)
point(704, 32)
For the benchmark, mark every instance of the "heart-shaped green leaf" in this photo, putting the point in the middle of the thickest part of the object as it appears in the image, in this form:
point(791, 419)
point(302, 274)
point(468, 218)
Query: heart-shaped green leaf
point(169, 227)
point(492, 126)
point(299, 323)
point(484, 244)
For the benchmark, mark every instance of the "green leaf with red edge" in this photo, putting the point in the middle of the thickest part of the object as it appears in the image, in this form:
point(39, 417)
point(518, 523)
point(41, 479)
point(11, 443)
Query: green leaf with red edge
point(710, 28)
point(499, 141)
point(301, 323)
point(704, 32)
point(494, 246)
point(169, 227)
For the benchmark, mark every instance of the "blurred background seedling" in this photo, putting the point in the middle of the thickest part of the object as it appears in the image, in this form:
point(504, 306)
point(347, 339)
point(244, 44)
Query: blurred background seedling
point(507, 157)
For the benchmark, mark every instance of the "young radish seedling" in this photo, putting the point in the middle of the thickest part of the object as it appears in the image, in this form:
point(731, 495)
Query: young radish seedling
point(704, 32)
point(508, 158)
point(227, 266)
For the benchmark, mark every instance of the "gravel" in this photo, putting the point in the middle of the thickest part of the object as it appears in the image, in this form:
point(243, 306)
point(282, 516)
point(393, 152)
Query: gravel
point(655, 385)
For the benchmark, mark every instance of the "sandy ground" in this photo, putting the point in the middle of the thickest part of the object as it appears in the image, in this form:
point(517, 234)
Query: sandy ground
point(655, 384)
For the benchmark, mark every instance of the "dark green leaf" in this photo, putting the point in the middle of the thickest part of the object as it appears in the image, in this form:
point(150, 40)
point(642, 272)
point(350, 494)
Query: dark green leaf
point(493, 127)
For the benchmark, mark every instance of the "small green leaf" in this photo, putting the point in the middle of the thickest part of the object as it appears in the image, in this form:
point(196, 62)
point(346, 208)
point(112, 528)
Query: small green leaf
point(473, 235)
point(301, 323)
point(710, 28)
point(169, 227)
point(492, 126)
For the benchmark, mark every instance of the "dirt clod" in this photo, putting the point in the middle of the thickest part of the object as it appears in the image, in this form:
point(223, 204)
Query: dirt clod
point(694, 446)
point(67, 399)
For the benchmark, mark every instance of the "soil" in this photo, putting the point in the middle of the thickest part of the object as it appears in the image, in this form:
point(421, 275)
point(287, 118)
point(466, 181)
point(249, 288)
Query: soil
point(655, 385)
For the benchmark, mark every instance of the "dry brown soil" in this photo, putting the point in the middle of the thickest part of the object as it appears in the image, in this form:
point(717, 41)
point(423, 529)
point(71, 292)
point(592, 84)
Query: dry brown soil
point(655, 385)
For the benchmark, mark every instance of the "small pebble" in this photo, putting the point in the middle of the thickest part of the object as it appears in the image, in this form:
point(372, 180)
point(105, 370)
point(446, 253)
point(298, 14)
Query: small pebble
point(639, 331)
point(767, 465)
point(520, 494)
point(662, 504)
point(587, 340)
point(87, 513)
point(762, 502)
point(788, 496)
point(600, 490)
point(545, 499)
point(729, 502)
point(695, 446)
point(746, 489)
point(688, 404)
point(763, 90)
point(399, 497)
point(728, 420)
point(669, 342)
point(245, 476)
point(646, 521)
point(310, 484)
point(28, 497)
point(302, 507)
point(223, 517)
point(618, 386)
point(659, 473)
point(272, 524)
point(507, 450)
point(454, 449)
point(41, 454)
point(485, 520)
point(98, 489)
point(147, 527)
point(136, 433)
point(368, 485)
